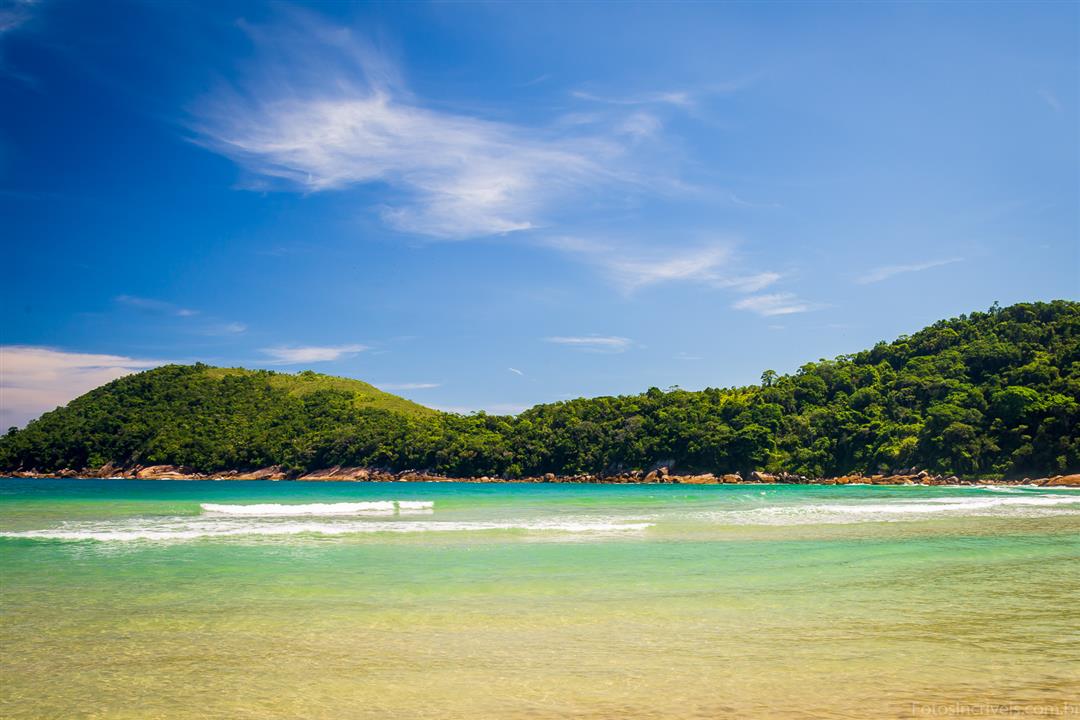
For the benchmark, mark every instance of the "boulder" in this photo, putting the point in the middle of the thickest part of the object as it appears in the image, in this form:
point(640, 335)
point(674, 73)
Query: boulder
point(703, 479)
point(1063, 481)
point(107, 470)
point(164, 472)
point(322, 475)
point(760, 477)
point(732, 478)
point(272, 472)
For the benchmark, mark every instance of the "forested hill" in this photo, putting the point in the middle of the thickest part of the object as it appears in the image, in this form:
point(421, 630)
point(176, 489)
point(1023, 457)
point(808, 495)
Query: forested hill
point(991, 393)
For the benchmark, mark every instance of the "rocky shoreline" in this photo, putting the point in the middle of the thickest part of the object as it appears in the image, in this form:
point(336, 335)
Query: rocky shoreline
point(659, 476)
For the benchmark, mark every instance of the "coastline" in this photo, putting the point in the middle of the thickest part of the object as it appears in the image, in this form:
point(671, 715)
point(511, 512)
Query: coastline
point(660, 476)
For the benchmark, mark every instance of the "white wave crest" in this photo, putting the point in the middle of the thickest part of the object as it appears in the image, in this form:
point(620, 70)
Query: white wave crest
point(181, 529)
point(1011, 505)
point(415, 504)
point(377, 507)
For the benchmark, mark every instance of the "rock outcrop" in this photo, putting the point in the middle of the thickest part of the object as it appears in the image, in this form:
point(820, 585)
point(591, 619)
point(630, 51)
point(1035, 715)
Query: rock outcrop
point(662, 475)
point(1062, 481)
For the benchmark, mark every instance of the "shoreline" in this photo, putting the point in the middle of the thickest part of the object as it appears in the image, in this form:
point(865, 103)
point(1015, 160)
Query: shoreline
point(660, 476)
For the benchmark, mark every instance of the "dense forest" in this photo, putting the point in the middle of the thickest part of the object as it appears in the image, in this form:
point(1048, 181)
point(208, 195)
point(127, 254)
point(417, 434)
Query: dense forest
point(993, 393)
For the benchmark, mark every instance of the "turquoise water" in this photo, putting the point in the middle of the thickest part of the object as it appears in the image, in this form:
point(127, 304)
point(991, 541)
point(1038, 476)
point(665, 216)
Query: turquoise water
point(136, 599)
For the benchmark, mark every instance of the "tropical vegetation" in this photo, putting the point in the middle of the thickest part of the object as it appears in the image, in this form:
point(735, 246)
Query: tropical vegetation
point(993, 393)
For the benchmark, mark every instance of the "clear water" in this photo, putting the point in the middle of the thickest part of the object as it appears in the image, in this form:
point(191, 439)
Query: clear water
point(159, 599)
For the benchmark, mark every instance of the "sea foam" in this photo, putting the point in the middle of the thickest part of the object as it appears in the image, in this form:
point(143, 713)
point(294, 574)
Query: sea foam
point(1006, 505)
point(377, 507)
point(183, 529)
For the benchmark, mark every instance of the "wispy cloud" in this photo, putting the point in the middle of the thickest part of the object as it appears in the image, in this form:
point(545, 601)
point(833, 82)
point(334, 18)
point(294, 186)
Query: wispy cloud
point(15, 13)
point(883, 273)
point(640, 125)
point(36, 379)
point(515, 371)
point(298, 354)
point(774, 304)
point(407, 386)
point(197, 323)
point(711, 264)
point(593, 343)
point(536, 80)
point(743, 202)
point(687, 356)
point(151, 305)
point(680, 98)
point(1050, 99)
point(328, 112)
point(225, 328)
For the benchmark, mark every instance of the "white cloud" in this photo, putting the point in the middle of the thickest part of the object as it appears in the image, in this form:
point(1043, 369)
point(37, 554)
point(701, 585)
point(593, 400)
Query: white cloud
point(883, 273)
point(295, 355)
point(640, 125)
point(209, 326)
point(698, 265)
point(684, 99)
point(593, 343)
point(328, 112)
point(515, 371)
point(155, 306)
point(774, 304)
point(679, 98)
point(407, 386)
point(36, 379)
point(709, 264)
point(228, 328)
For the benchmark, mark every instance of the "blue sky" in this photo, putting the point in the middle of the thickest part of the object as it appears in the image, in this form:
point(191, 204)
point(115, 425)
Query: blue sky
point(494, 205)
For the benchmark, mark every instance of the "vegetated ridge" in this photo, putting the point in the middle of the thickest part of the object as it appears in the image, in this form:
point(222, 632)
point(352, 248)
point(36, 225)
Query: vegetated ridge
point(991, 394)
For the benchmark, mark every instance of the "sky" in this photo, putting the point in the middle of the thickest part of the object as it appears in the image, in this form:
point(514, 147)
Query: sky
point(488, 206)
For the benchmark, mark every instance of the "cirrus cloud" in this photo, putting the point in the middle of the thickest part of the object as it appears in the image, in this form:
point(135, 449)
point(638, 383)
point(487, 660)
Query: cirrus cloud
point(327, 111)
point(407, 386)
point(774, 304)
point(712, 264)
point(299, 354)
point(886, 272)
point(593, 343)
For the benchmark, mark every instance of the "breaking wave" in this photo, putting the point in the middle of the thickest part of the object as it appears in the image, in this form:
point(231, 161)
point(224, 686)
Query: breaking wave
point(179, 529)
point(378, 507)
point(401, 517)
point(1017, 504)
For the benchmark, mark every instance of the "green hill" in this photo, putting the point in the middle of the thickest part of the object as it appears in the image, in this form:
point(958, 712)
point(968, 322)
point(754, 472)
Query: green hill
point(990, 393)
point(308, 382)
point(201, 416)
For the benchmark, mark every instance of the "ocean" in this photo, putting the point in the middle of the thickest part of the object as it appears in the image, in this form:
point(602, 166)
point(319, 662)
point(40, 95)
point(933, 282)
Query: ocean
point(171, 599)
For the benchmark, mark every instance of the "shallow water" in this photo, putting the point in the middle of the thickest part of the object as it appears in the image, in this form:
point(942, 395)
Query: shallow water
point(160, 599)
